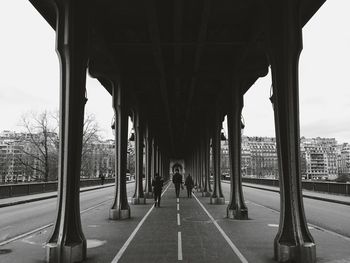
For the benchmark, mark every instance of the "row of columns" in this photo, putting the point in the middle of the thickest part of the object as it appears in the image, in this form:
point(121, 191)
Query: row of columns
point(67, 242)
point(293, 242)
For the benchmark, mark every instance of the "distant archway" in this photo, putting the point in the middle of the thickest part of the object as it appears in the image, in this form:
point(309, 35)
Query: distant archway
point(177, 166)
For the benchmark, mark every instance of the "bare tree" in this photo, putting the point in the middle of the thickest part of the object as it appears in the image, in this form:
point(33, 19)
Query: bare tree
point(90, 139)
point(40, 145)
point(4, 165)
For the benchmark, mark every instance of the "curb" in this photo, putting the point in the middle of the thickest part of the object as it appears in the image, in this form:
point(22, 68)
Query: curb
point(50, 196)
point(304, 195)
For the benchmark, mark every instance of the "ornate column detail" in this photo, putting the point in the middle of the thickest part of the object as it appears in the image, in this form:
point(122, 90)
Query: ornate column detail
point(217, 197)
point(67, 242)
point(293, 242)
point(138, 197)
point(120, 208)
point(236, 208)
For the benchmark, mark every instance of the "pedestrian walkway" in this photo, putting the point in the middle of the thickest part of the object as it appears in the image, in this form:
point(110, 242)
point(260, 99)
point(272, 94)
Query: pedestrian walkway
point(42, 196)
point(339, 199)
point(183, 229)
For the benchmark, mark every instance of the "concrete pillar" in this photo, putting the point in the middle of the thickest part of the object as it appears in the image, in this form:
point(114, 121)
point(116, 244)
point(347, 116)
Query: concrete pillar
point(236, 208)
point(138, 197)
point(293, 242)
point(217, 197)
point(120, 208)
point(67, 242)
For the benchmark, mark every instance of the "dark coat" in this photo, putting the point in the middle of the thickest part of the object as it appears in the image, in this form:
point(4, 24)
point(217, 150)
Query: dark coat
point(189, 182)
point(157, 184)
point(177, 179)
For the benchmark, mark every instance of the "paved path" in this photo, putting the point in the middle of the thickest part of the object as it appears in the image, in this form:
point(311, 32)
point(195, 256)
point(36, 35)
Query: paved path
point(152, 235)
point(179, 230)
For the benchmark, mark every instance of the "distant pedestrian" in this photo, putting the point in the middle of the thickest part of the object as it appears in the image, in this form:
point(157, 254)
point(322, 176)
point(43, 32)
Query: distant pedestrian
point(177, 180)
point(102, 177)
point(157, 184)
point(189, 185)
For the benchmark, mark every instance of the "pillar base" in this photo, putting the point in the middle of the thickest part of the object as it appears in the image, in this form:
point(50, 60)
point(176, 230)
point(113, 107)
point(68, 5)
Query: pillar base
point(148, 195)
point(118, 214)
point(304, 253)
point(241, 214)
point(217, 200)
point(73, 253)
point(138, 200)
point(206, 194)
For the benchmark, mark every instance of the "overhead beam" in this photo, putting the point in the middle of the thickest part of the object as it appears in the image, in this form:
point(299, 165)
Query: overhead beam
point(157, 52)
point(202, 33)
point(178, 43)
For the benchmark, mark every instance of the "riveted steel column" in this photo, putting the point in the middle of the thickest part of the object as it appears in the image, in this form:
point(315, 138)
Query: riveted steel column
point(237, 208)
point(138, 197)
point(120, 208)
point(217, 197)
point(67, 242)
point(148, 186)
point(206, 152)
point(293, 242)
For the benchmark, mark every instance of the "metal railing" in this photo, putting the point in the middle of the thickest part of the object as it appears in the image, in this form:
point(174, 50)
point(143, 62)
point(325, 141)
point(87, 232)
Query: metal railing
point(325, 187)
point(20, 189)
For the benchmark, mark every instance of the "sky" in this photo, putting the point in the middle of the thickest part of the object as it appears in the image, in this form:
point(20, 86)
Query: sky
point(30, 75)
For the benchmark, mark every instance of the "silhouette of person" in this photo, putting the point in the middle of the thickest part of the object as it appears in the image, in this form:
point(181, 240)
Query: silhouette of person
point(157, 184)
point(189, 185)
point(177, 180)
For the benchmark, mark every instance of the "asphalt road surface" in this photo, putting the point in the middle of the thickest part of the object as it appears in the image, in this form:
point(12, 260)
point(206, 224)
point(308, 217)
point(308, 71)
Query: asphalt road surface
point(19, 219)
point(330, 216)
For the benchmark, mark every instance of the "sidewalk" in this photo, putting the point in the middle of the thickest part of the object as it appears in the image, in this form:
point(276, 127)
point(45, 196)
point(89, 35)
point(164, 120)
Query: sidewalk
point(339, 199)
point(156, 238)
point(37, 197)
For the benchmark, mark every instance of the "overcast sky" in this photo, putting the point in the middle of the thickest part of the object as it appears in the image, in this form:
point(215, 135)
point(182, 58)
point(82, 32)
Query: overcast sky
point(29, 75)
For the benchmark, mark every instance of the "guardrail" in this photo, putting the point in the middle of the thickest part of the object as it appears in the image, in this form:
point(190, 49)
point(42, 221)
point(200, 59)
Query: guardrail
point(20, 189)
point(325, 187)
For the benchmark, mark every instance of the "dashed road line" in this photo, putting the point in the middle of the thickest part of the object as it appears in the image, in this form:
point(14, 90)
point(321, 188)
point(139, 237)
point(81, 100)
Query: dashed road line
point(45, 226)
point(133, 234)
point(178, 220)
point(179, 246)
point(309, 224)
point(222, 232)
point(178, 207)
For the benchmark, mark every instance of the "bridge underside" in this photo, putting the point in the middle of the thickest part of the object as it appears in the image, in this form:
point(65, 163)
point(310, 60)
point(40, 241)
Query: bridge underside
point(178, 67)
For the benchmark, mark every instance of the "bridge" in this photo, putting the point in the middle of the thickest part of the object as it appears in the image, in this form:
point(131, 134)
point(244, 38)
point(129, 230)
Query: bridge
point(152, 234)
point(177, 68)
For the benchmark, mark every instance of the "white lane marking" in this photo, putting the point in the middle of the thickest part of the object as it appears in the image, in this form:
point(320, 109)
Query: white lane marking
point(309, 224)
point(179, 246)
point(228, 240)
point(178, 207)
point(133, 234)
point(45, 226)
point(178, 220)
point(177, 200)
point(25, 234)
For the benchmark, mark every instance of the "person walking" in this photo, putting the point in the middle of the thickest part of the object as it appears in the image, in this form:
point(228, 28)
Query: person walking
point(157, 184)
point(189, 185)
point(177, 180)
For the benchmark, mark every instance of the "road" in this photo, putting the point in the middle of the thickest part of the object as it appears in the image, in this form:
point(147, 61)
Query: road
point(330, 216)
point(20, 219)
